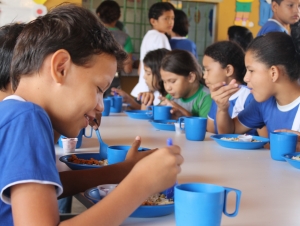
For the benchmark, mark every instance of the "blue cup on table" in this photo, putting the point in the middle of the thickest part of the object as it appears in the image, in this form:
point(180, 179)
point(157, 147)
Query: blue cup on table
point(107, 105)
point(116, 104)
point(195, 127)
point(160, 112)
point(202, 204)
point(79, 137)
point(118, 153)
point(282, 143)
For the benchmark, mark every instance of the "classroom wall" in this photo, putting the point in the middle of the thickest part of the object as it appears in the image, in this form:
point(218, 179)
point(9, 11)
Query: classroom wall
point(51, 3)
point(226, 14)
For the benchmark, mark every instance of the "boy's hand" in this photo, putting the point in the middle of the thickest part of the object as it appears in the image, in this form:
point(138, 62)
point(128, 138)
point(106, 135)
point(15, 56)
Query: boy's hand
point(220, 93)
point(134, 155)
point(159, 170)
point(291, 131)
point(126, 98)
point(146, 98)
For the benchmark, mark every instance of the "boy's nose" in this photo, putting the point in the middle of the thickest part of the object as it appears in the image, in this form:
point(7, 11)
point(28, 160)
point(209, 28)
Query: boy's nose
point(100, 106)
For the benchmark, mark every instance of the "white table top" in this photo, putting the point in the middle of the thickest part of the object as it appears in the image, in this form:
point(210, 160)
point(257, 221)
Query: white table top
point(270, 189)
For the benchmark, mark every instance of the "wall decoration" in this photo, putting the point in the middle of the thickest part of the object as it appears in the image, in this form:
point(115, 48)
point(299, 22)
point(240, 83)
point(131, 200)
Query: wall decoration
point(243, 10)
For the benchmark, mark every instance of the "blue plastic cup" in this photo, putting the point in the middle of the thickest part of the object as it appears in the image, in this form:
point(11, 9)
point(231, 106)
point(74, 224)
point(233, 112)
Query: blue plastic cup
point(202, 204)
point(79, 137)
point(160, 112)
point(195, 127)
point(116, 104)
point(118, 153)
point(282, 143)
point(107, 104)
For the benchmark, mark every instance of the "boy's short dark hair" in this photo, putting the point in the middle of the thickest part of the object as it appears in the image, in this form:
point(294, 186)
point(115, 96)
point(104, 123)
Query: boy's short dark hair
point(69, 27)
point(8, 38)
point(109, 11)
point(181, 23)
point(277, 1)
point(240, 35)
point(157, 9)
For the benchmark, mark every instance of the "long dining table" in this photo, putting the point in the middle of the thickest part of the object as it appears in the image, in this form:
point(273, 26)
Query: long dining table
point(270, 189)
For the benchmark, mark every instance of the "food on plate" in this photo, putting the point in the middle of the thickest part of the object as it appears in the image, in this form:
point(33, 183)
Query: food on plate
point(157, 199)
point(296, 158)
point(237, 139)
point(91, 161)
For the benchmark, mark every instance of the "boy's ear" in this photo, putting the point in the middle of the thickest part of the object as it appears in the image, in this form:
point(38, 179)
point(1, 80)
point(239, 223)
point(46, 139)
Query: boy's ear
point(60, 64)
point(274, 73)
point(192, 77)
point(152, 21)
point(229, 70)
point(274, 6)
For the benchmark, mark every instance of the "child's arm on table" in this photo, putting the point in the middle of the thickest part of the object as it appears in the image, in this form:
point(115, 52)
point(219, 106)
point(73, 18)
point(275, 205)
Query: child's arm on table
point(210, 127)
point(152, 174)
point(291, 131)
point(177, 111)
point(146, 99)
point(220, 93)
point(126, 98)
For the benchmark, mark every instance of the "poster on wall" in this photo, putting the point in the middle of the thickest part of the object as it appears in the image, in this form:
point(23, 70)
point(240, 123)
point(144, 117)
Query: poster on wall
point(21, 11)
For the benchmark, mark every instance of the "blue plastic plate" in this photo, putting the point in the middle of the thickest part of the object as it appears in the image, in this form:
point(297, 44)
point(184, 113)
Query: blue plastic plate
point(292, 162)
point(139, 114)
point(76, 166)
point(239, 144)
point(164, 124)
point(142, 212)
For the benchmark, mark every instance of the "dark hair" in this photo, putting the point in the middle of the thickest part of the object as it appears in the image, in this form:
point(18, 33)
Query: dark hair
point(227, 52)
point(241, 35)
point(109, 12)
point(278, 48)
point(182, 63)
point(157, 9)
point(68, 27)
point(181, 23)
point(277, 1)
point(8, 38)
point(153, 60)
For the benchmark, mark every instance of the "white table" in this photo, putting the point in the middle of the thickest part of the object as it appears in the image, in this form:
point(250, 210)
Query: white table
point(270, 189)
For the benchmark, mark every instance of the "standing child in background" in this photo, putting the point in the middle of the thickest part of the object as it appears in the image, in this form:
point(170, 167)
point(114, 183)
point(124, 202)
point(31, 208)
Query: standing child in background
point(285, 13)
point(161, 18)
point(153, 80)
point(273, 68)
point(223, 62)
point(182, 77)
point(69, 54)
point(8, 38)
point(180, 31)
point(240, 35)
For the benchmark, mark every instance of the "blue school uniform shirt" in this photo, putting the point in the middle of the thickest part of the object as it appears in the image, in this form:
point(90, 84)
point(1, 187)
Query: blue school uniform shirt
point(27, 151)
point(271, 114)
point(184, 44)
point(271, 26)
point(237, 102)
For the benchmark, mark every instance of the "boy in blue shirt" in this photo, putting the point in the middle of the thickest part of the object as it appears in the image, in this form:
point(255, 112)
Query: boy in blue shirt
point(285, 12)
point(62, 64)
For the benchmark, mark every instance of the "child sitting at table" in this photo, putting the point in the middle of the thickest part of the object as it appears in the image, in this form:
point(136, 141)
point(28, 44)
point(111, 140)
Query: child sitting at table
point(153, 80)
point(182, 77)
point(62, 64)
point(273, 68)
point(224, 61)
point(8, 37)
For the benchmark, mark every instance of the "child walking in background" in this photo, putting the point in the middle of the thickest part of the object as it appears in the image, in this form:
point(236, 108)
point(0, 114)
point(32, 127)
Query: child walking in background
point(51, 57)
point(8, 38)
point(161, 18)
point(153, 80)
point(285, 13)
point(273, 68)
point(182, 77)
point(180, 31)
point(223, 62)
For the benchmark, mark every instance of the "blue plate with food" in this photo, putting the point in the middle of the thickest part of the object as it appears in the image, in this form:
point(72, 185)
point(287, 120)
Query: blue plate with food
point(144, 211)
point(238, 141)
point(83, 161)
point(164, 124)
point(293, 159)
point(140, 114)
